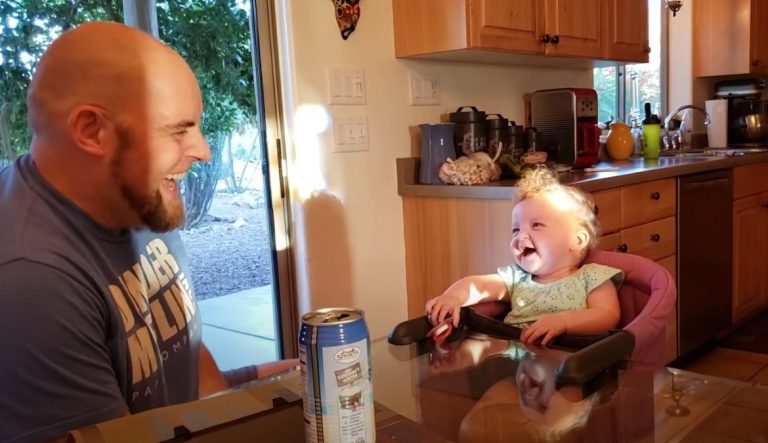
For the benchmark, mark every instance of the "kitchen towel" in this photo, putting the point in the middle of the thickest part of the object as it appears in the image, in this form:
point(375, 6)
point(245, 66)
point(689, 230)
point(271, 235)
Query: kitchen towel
point(717, 129)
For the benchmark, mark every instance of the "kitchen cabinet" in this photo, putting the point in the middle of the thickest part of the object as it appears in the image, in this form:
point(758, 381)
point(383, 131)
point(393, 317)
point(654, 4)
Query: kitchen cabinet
point(750, 240)
point(641, 219)
point(730, 37)
point(625, 30)
point(584, 29)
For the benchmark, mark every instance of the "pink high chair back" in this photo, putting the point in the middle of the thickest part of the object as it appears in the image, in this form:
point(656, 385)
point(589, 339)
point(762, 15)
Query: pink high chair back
point(647, 299)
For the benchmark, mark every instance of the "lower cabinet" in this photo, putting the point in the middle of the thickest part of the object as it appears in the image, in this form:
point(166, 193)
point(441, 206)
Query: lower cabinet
point(750, 249)
point(670, 264)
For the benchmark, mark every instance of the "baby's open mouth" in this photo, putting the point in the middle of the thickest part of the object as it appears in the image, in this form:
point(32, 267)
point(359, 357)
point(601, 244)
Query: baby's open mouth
point(528, 251)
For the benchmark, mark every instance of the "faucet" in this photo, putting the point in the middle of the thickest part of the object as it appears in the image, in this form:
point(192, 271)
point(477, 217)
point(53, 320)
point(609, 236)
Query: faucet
point(673, 139)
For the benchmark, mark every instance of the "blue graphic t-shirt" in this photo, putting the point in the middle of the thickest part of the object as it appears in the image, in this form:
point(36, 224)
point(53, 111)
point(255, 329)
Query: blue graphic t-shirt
point(94, 324)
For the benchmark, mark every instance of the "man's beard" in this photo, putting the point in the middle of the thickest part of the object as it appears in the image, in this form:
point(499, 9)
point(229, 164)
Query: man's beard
point(148, 205)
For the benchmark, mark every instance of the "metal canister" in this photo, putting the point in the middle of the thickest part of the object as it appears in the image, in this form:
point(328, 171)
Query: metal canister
point(334, 352)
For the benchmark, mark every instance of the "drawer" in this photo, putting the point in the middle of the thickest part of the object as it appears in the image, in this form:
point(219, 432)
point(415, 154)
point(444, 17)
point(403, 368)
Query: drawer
point(608, 209)
point(644, 202)
point(749, 180)
point(655, 240)
point(609, 242)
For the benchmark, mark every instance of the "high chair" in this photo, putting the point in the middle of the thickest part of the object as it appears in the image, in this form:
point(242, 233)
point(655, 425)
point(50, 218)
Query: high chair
point(647, 299)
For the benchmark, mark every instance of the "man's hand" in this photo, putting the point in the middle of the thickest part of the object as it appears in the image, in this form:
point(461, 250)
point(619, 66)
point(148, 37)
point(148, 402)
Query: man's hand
point(547, 328)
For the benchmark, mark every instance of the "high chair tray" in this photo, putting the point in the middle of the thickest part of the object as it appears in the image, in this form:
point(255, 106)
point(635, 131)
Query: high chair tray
point(589, 355)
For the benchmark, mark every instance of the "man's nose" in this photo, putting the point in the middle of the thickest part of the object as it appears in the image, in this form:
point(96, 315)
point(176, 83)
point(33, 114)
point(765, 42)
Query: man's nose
point(199, 148)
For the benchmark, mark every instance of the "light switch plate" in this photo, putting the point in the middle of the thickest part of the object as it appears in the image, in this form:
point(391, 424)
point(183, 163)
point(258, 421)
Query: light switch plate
point(423, 90)
point(350, 134)
point(346, 86)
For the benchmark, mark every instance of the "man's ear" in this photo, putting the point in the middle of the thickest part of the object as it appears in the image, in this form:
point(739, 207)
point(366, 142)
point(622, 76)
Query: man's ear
point(90, 129)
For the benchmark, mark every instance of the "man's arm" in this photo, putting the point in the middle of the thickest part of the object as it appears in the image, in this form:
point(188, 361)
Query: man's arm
point(211, 379)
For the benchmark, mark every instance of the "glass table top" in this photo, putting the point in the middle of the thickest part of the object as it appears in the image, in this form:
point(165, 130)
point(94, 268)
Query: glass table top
point(476, 389)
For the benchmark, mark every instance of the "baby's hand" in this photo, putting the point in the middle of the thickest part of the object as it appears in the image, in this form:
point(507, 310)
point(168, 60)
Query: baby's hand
point(439, 308)
point(548, 326)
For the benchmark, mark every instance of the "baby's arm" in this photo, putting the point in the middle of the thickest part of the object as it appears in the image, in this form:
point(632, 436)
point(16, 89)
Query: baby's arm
point(602, 314)
point(465, 292)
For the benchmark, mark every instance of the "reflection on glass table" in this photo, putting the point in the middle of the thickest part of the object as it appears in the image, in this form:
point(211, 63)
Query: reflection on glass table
point(475, 388)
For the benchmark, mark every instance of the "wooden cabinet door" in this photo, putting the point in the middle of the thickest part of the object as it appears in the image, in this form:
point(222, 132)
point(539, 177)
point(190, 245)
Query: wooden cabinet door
point(515, 25)
point(670, 263)
point(759, 37)
point(730, 37)
point(577, 26)
point(749, 254)
point(625, 30)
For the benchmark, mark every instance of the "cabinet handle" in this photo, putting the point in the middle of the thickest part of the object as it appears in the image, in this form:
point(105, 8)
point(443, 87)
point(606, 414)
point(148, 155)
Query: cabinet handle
point(655, 195)
point(597, 209)
point(546, 38)
point(755, 62)
point(647, 49)
point(764, 205)
point(655, 238)
point(555, 39)
point(622, 247)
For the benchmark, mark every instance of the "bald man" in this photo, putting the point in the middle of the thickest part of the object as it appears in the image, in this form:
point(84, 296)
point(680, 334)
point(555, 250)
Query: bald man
point(97, 314)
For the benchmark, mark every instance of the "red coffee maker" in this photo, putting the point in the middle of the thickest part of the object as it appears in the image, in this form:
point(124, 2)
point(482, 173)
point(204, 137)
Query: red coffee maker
point(566, 122)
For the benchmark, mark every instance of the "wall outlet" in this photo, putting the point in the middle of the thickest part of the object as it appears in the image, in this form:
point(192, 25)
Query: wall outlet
point(350, 134)
point(346, 86)
point(424, 90)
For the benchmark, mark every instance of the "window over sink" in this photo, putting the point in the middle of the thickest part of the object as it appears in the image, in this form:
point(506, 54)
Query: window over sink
point(623, 90)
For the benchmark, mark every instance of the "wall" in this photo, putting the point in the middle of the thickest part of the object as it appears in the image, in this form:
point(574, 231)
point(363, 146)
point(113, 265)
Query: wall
point(348, 239)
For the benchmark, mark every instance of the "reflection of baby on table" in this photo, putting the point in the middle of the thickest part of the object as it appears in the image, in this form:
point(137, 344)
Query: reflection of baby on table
point(523, 405)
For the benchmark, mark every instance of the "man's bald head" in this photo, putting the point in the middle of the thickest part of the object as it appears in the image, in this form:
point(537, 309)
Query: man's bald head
point(104, 64)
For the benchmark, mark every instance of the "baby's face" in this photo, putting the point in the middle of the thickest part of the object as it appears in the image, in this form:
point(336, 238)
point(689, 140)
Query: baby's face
point(545, 240)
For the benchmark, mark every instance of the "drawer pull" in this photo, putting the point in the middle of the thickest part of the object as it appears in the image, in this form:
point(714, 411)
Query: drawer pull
point(622, 247)
point(764, 206)
point(597, 208)
point(655, 238)
point(655, 195)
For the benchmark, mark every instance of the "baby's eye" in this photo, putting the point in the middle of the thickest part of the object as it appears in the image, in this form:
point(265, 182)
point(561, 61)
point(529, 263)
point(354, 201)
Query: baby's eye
point(537, 225)
point(515, 231)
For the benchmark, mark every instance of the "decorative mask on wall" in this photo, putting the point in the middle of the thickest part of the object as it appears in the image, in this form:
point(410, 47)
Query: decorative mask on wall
point(347, 15)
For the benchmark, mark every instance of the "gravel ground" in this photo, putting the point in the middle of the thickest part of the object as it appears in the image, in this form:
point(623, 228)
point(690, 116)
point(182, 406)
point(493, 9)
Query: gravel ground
point(230, 250)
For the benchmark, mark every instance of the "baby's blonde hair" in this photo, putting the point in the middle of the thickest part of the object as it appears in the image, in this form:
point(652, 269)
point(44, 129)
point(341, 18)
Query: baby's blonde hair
point(542, 181)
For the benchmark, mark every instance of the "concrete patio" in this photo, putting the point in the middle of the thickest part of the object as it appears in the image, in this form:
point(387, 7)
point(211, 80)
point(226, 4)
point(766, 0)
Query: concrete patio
point(239, 328)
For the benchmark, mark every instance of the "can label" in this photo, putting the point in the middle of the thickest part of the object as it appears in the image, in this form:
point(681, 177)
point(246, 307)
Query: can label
point(336, 375)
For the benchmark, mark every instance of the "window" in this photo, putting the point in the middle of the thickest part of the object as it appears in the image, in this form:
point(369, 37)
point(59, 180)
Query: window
point(623, 90)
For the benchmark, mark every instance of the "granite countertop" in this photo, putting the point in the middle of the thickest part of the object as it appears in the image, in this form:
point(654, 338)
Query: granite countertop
point(630, 172)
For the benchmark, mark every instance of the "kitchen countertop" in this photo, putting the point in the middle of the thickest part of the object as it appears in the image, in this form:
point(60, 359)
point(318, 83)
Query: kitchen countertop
point(630, 172)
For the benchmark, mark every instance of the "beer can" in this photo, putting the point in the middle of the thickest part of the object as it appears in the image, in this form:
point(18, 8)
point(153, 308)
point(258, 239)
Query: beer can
point(334, 352)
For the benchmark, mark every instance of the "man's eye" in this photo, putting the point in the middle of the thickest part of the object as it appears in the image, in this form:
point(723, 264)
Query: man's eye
point(180, 133)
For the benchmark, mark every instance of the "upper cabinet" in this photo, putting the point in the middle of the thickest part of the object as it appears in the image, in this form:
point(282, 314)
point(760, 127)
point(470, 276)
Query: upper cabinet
point(584, 29)
point(730, 37)
point(625, 30)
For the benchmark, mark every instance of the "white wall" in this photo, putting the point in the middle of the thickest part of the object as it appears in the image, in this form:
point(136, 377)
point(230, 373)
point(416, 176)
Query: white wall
point(347, 213)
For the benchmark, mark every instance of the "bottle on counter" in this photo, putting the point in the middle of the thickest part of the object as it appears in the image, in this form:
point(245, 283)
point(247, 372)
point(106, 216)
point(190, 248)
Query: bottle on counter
point(651, 134)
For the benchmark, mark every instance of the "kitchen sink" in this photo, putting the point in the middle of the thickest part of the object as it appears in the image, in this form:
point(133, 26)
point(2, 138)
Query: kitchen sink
point(727, 152)
point(713, 152)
